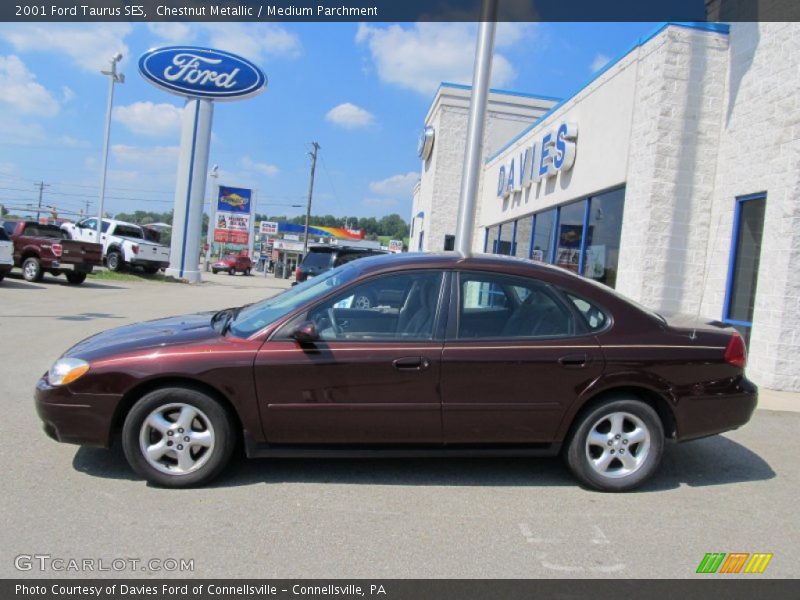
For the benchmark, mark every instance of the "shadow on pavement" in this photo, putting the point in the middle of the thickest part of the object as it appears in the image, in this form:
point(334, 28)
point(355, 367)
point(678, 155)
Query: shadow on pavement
point(711, 461)
point(20, 284)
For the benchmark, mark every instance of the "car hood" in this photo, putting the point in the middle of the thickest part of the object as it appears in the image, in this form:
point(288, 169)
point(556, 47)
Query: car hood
point(149, 334)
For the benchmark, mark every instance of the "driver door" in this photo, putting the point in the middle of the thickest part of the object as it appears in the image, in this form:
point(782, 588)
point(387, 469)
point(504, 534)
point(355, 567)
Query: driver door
point(372, 377)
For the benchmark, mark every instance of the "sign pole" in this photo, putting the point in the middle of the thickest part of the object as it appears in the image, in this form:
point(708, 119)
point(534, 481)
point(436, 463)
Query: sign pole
point(187, 218)
point(477, 114)
point(310, 194)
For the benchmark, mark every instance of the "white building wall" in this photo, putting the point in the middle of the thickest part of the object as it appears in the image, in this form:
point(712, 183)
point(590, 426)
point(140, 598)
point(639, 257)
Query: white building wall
point(671, 168)
point(440, 182)
point(759, 150)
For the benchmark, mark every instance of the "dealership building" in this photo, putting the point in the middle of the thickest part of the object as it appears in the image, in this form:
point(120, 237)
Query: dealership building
point(673, 176)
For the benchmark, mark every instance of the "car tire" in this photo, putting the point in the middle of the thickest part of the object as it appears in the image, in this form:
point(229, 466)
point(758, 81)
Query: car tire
point(616, 446)
point(231, 271)
point(160, 419)
point(246, 272)
point(75, 278)
point(151, 270)
point(2, 276)
point(214, 271)
point(32, 269)
point(114, 261)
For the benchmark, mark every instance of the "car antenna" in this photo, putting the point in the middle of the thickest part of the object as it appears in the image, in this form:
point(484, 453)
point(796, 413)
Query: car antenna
point(705, 278)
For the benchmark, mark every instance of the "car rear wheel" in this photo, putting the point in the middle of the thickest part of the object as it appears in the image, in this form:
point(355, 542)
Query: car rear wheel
point(32, 269)
point(76, 278)
point(616, 446)
point(114, 261)
point(151, 270)
point(178, 437)
point(231, 271)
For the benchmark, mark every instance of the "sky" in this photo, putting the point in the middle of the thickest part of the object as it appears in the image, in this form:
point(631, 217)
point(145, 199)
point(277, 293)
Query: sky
point(360, 90)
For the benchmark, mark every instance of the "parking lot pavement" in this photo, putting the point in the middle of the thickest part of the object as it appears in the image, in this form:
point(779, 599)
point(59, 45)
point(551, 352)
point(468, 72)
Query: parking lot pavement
point(363, 518)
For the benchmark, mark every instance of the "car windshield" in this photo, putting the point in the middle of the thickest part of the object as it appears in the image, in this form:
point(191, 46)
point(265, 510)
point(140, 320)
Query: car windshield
point(255, 317)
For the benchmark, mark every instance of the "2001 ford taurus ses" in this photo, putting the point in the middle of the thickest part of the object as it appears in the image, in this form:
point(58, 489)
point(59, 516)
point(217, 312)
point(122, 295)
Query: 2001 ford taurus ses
point(476, 355)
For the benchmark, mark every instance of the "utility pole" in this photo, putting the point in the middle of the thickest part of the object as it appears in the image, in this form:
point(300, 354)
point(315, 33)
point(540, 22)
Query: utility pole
point(465, 223)
point(113, 77)
point(41, 185)
point(313, 155)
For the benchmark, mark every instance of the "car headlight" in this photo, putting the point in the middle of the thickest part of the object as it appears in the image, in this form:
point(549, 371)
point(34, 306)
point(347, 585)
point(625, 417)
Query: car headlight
point(66, 370)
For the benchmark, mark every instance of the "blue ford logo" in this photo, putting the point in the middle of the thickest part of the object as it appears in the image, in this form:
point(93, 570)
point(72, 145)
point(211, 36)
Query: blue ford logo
point(201, 72)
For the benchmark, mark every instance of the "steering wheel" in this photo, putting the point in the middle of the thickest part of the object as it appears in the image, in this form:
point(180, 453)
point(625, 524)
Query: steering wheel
point(334, 325)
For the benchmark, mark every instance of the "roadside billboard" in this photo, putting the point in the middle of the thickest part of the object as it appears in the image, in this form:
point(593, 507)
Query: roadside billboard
point(232, 220)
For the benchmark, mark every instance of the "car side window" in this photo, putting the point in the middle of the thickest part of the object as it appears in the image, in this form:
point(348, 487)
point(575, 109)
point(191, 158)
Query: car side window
point(395, 307)
point(343, 259)
point(504, 307)
point(595, 319)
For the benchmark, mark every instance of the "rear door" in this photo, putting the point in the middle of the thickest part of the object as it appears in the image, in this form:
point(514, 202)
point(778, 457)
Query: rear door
point(515, 358)
point(372, 377)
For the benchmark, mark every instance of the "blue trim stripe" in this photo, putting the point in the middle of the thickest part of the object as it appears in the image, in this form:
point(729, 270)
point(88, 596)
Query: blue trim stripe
point(726, 306)
point(533, 233)
point(461, 86)
point(189, 186)
point(584, 235)
point(710, 27)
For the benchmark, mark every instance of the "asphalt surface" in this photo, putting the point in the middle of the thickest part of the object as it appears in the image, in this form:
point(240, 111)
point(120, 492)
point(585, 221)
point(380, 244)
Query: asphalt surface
point(362, 518)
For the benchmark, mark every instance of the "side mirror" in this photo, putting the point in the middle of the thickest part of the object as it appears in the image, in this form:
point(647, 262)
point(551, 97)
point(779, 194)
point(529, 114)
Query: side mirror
point(305, 332)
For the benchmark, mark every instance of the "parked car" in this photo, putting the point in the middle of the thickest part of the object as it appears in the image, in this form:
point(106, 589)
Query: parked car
point(6, 253)
point(231, 263)
point(485, 355)
point(323, 258)
point(40, 249)
point(124, 244)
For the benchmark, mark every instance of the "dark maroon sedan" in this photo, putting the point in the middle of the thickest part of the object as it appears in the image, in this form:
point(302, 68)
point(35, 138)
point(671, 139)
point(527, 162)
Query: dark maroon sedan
point(473, 355)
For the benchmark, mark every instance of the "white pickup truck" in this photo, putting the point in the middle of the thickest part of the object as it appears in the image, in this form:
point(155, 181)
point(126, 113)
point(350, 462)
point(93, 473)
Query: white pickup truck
point(124, 244)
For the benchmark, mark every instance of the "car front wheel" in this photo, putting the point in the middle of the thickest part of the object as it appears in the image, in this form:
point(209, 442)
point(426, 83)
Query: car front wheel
point(76, 278)
point(178, 437)
point(114, 261)
point(616, 446)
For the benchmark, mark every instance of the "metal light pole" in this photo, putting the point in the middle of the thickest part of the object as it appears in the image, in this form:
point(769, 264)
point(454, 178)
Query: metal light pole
point(212, 213)
point(113, 77)
point(313, 155)
point(477, 113)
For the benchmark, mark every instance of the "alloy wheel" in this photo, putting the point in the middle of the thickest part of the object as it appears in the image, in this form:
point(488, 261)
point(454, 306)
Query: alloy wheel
point(177, 438)
point(617, 445)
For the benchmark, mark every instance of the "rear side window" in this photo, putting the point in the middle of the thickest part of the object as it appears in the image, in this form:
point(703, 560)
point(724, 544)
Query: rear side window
point(347, 257)
point(594, 318)
point(128, 231)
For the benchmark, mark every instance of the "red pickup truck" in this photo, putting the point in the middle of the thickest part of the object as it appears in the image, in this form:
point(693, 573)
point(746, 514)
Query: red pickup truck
point(40, 249)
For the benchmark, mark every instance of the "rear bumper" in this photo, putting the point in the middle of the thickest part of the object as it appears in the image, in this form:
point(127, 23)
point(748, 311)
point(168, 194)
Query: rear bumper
point(701, 416)
point(60, 267)
point(143, 262)
point(75, 418)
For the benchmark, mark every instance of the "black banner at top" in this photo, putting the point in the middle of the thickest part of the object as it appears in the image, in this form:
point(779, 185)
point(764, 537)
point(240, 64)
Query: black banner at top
point(397, 10)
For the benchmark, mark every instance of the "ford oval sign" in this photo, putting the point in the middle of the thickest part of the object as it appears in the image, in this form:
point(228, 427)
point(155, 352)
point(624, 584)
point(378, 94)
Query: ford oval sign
point(202, 73)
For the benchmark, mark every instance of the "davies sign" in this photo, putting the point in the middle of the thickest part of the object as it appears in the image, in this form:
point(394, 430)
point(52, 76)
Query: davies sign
point(553, 153)
point(201, 73)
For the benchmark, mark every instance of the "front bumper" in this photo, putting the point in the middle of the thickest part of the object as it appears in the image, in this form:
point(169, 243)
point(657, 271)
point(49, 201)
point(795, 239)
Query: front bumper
point(75, 418)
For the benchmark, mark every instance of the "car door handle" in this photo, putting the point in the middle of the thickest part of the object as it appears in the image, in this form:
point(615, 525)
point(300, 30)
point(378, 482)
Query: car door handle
point(574, 361)
point(411, 363)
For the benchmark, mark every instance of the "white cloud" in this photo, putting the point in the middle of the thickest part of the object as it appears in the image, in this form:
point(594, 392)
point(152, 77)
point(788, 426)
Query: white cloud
point(148, 118)
point(254, 41)
point(156, 158)
point(350, 116)
point(89, 46)
point(173, 32)
point(423, 55)
point(397, 185)
point(600, 61)
point(20, 90)
point(260, 167)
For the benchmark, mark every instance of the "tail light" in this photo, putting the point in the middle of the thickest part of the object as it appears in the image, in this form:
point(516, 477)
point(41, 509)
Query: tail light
point(57, 249)
point(736, 352)
point(297, 273)
point(135, 249)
